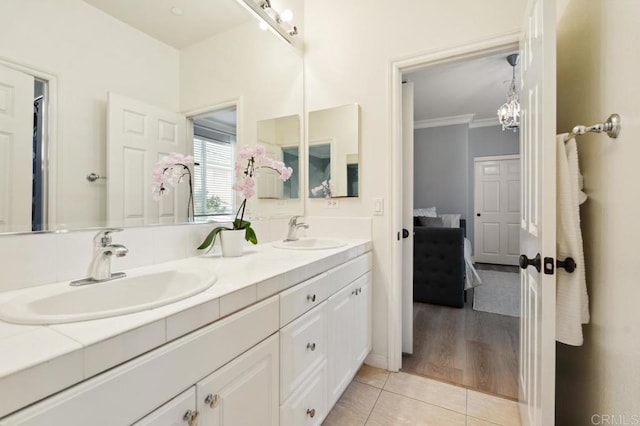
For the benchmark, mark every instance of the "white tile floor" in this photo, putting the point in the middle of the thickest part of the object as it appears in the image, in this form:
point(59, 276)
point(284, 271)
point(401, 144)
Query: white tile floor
point(377, 397)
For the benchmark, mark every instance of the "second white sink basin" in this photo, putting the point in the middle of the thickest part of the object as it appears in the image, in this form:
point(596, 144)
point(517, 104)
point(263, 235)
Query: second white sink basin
point(310, 244)
point(63, 303)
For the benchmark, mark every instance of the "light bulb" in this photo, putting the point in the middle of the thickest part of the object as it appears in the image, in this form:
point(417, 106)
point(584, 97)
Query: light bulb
point(287, 15)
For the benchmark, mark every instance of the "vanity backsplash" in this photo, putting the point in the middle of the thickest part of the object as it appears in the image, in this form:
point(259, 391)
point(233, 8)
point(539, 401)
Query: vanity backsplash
point(30, 260)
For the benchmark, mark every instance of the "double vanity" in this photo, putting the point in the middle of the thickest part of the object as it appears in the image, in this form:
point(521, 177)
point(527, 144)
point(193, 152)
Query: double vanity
point(270, 338)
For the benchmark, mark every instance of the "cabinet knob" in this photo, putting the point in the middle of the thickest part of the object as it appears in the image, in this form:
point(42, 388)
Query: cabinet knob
point(311, 412)
point(191, 417)
point(311, 346)
point(212, 400)
point(311, 297)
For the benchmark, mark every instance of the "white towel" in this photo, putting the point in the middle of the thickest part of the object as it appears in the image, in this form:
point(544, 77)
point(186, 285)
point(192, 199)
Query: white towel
point(572, 301)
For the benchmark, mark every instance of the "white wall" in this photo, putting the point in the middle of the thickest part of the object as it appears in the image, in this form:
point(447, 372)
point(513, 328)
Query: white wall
point(260, 71)
point(90, 53)
point(440, 168)
point(597, 75)
point(349, 48)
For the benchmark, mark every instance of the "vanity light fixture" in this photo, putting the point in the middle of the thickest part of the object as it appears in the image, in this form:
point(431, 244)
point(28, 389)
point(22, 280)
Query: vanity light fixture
point(279, 23)
point(509, 112)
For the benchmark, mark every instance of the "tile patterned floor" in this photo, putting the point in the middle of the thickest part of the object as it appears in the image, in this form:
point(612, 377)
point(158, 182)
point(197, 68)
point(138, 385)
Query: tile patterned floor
point(377, 397)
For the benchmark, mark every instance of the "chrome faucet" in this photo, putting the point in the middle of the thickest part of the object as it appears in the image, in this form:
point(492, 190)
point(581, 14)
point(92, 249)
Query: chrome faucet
point(292, 235)
point(100, 267)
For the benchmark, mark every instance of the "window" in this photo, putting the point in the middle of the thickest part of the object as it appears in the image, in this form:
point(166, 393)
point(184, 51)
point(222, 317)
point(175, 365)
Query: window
point(214, 174)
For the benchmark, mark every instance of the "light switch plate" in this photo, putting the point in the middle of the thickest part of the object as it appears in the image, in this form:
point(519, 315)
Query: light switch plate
point(332, 203)
point(378, 206)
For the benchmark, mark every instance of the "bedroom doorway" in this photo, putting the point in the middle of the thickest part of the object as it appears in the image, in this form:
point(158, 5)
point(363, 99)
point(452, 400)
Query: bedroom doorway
point(463, 316)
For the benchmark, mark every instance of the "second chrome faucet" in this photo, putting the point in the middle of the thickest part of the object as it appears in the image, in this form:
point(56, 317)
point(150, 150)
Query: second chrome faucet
point(292, 235)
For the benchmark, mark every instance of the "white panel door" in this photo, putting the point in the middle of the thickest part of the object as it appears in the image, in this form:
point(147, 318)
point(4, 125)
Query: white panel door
point(407, 217)
point(245, 391)
point(16, 150)
point(538, 214)
point(138, 136)
point(497, 210)
point(269, 183)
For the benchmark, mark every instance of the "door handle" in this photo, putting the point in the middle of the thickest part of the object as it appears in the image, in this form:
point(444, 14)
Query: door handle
point(405, 233)
point(525, 262)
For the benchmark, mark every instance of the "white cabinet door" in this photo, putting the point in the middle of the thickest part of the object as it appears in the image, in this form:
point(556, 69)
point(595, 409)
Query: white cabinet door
point(362, 323)
point(307, 407)
point(245, 391)
point(341, 365)
point(303, 347)
point(180, 411)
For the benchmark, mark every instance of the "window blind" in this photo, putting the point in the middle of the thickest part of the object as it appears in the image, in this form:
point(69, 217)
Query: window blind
point(214, 176)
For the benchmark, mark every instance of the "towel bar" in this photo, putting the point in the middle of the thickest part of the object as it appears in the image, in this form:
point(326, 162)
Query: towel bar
point(611, 127)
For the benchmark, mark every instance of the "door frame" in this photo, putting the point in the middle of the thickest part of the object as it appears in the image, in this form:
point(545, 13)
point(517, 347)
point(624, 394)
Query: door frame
point(475, 186)
point(481, 47)
point(49, 138)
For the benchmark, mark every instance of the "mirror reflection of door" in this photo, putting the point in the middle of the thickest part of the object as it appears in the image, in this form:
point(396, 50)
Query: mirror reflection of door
point(320, 170)
point(23, 104)
point(281, 138)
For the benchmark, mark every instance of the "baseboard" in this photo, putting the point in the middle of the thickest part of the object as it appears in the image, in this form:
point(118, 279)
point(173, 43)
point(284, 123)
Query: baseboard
point(375, 360)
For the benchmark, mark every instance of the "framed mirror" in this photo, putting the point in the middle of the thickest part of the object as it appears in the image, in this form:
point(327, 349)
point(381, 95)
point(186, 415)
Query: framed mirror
point(95, 94)
point(333, 162)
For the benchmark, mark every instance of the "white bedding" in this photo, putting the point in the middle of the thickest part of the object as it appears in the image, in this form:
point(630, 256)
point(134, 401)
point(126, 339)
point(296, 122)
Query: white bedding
point(472, 279)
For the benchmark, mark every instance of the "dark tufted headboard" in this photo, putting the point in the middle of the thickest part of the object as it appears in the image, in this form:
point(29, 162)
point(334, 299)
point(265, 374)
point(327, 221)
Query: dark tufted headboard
point(438, 265)
point(463, 224)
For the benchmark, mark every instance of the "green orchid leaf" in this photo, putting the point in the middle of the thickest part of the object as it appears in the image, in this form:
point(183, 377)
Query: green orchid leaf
point(250, 235)
point(211, 238)
point(241, 224)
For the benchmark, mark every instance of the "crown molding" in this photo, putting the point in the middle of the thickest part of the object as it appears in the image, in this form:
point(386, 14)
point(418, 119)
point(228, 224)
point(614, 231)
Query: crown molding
point(484, 122)
point(444, 121)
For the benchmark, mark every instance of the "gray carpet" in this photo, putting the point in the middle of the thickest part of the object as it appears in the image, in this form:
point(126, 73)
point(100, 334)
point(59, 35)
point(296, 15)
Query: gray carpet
point(498, 294)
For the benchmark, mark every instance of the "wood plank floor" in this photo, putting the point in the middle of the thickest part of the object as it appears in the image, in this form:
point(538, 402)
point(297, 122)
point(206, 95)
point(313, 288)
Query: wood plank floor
point(477, 350)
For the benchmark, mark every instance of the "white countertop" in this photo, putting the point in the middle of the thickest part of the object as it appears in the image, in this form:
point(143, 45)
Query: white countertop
point(50, 358)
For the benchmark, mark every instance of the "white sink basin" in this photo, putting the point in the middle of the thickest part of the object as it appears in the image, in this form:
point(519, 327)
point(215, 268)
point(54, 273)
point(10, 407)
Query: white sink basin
point(64, 303)
point(309, 244)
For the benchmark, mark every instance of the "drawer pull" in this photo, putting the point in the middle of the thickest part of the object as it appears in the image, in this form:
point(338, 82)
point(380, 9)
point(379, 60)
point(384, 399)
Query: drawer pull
point(311, 297)
point(191, 417)
point(212, 400)
point(311, 412)
point(311, 346)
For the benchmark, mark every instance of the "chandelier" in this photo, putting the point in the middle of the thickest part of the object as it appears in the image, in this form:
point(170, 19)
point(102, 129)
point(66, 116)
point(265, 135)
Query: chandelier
point(509, 112)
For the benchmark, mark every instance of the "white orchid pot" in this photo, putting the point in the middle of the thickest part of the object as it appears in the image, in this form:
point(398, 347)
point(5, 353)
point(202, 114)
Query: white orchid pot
point(232, 242)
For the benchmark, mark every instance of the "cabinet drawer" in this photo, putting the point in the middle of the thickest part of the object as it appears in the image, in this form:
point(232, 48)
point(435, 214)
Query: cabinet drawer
point(343, 275)
point(174, 412)
point(308, 406)
point(303, 347)
point(299, 299)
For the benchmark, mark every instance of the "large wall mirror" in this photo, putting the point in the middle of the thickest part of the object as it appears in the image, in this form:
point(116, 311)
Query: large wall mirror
point(334, 152)
point(94, 94)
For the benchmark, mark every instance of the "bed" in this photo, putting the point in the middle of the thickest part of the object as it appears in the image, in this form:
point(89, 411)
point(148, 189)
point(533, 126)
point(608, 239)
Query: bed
point(442, 266)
